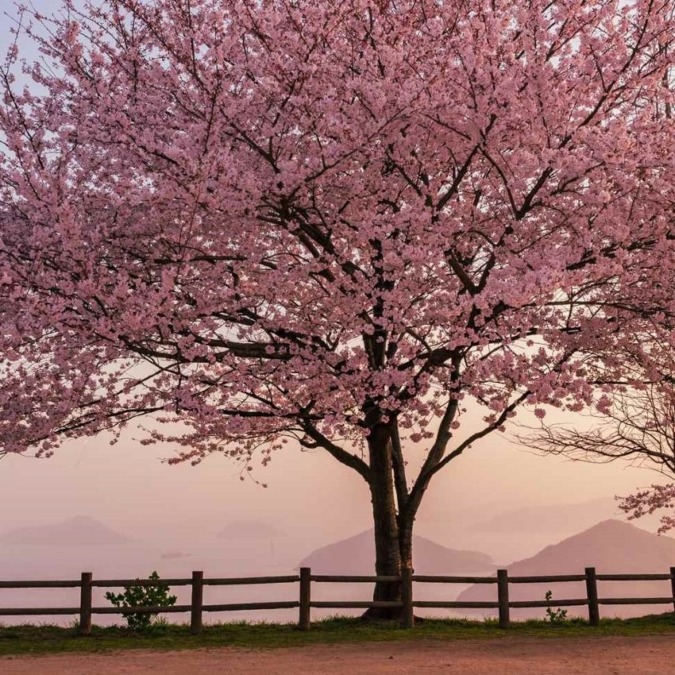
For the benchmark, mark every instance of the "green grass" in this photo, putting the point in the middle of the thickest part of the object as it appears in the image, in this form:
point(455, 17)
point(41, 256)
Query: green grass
point(41, 639)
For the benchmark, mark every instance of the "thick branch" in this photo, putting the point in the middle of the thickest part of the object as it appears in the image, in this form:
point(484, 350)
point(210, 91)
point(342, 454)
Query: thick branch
point(342, 456)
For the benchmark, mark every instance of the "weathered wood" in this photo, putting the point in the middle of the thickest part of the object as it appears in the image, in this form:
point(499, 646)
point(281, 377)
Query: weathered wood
point(197, 602)
point(237, 607)
point(197, 607)
point(407, 615)
point(503, 598)
point(357, 604)
point(334, 578)
point(244, 581)
point(118, 583)
point(154, 609)
point(72, 583)
point(37, 611)
point(85, 603)
point(632, 577)
point(425, 578)
point(305, 598)
point(556, 578)
point(453, 604)
point(549, 603)
point(635, 601)
point(592, 594)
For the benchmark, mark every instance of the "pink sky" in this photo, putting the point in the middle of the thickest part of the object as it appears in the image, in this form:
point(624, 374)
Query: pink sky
point(128, 487)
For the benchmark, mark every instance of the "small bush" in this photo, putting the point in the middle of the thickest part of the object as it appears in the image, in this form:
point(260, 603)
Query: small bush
point(142, 596)
point(554, 615)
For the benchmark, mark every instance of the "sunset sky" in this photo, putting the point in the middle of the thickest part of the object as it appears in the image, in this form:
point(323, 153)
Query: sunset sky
point(128, 487)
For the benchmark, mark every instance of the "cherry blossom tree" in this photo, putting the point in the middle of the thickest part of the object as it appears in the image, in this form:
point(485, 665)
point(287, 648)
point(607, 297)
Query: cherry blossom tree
point(339, 225)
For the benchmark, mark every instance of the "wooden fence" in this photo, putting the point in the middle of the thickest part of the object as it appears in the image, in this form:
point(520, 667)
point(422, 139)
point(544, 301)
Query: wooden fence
point(304, 602)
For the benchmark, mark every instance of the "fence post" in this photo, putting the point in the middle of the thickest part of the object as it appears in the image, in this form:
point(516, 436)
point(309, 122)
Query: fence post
point(305, 597)
point(407, 614)
point(592, 593)
point(503, 598)
point(672, 583)
point(85, 603)
point(197, 602)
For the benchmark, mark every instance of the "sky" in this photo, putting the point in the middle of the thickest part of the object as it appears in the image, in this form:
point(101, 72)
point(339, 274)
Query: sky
point(128, 487)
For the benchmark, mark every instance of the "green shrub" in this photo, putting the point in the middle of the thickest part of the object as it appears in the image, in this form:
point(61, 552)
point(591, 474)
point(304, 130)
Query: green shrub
point(142, 596)
point(554, 615)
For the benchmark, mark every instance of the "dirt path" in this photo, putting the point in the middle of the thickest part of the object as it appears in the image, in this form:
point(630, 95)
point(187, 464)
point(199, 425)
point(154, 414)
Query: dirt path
point(596, 656)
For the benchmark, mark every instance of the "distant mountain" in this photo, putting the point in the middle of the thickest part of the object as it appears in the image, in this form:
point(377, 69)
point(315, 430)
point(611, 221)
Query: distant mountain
point(612, 547)
point(249, 529)
point(78, 531)
point(356, 555)
point(558, 518)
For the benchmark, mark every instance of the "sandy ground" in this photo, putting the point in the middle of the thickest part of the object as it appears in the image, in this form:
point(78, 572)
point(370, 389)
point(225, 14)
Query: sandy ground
point(594, 656)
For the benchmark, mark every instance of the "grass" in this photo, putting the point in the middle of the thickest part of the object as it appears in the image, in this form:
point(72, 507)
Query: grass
point(42, 639)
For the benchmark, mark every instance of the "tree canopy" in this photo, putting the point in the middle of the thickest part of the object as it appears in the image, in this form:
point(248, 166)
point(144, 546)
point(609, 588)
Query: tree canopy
point(339, 223)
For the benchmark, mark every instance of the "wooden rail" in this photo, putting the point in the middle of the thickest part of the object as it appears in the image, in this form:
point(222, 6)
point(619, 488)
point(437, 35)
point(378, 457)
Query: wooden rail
point(304, 601)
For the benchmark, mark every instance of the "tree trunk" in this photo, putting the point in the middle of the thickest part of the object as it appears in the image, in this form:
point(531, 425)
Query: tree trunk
point(387, 545)
point(405, 532)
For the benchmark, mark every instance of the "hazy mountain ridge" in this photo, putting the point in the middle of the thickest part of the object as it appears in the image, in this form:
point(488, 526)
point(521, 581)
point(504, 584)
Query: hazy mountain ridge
point(77, 531)
point(356, 555)
point(612, 547)
point(559, 518)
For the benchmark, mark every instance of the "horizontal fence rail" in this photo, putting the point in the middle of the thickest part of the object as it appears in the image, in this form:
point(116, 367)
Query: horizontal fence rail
point(304, 601)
